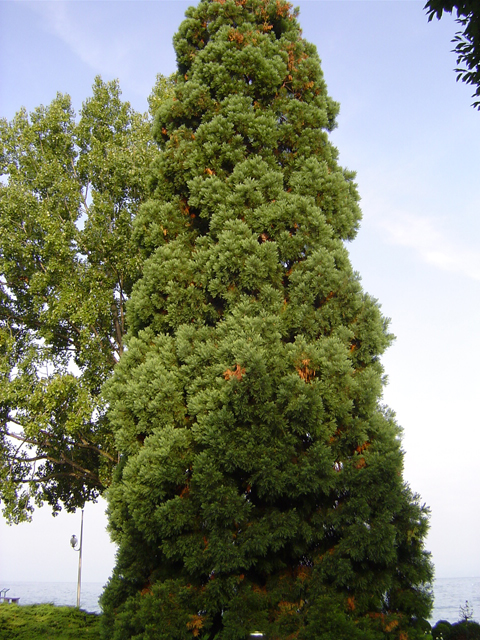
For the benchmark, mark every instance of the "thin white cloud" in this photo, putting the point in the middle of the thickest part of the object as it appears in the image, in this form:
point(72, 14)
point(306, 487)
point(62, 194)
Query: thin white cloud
point(432, 244)
point(104, 36)
point(84, 33)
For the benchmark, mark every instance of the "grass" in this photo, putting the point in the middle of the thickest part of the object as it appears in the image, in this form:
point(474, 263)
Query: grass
point(47, 622)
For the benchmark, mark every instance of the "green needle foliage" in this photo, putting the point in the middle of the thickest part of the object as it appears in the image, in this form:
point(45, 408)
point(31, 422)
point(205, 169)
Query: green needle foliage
point(68, 194)
point(260, 483)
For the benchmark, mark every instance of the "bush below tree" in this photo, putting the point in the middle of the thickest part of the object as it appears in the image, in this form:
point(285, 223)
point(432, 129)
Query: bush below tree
point(46, 621)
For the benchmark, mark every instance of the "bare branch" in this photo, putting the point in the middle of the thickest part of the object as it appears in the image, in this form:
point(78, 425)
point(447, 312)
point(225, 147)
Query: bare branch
point(92, 447)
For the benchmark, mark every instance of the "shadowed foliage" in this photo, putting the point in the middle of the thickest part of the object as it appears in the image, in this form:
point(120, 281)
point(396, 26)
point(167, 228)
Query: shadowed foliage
point(467, 41)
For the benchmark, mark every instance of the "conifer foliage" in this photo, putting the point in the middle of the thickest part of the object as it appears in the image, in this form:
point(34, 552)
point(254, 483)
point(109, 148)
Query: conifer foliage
point(260, 484)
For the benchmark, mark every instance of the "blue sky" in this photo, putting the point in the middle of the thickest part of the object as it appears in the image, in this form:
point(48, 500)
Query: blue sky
point(409, 131)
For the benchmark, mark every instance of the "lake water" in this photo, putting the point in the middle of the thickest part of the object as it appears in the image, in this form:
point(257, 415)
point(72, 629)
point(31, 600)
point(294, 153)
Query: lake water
point(58, 593)
point(450, 595)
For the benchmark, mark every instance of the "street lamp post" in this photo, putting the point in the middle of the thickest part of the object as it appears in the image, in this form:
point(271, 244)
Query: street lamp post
point(74, 543)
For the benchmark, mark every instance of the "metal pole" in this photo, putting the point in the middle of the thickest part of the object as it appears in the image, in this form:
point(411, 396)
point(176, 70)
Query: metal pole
point(80, 564)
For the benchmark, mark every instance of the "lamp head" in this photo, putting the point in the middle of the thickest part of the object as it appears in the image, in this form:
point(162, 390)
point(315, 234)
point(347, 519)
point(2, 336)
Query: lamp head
point(74, 541)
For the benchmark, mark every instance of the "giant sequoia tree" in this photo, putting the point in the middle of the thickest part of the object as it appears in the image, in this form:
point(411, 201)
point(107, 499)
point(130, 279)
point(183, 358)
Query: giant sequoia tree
point(260, 483)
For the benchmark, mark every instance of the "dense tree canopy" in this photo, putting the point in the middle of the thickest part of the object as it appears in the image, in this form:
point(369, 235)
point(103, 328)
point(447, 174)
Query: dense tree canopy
point(260, 482)
point(467, 42)
point(68, 194)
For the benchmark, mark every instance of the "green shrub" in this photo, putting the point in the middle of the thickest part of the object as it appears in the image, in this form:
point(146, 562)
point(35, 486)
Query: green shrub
point(465, 630)
point(47, 622)
point(442, 630)
point(422, 625)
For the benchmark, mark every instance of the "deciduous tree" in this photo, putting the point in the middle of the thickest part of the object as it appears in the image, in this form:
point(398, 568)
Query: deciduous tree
point(467, 42)
point(68, 195)
point(260, 482)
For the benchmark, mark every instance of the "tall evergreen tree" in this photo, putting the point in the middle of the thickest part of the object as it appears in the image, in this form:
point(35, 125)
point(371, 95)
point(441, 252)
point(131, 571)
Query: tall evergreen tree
point(260, 483)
